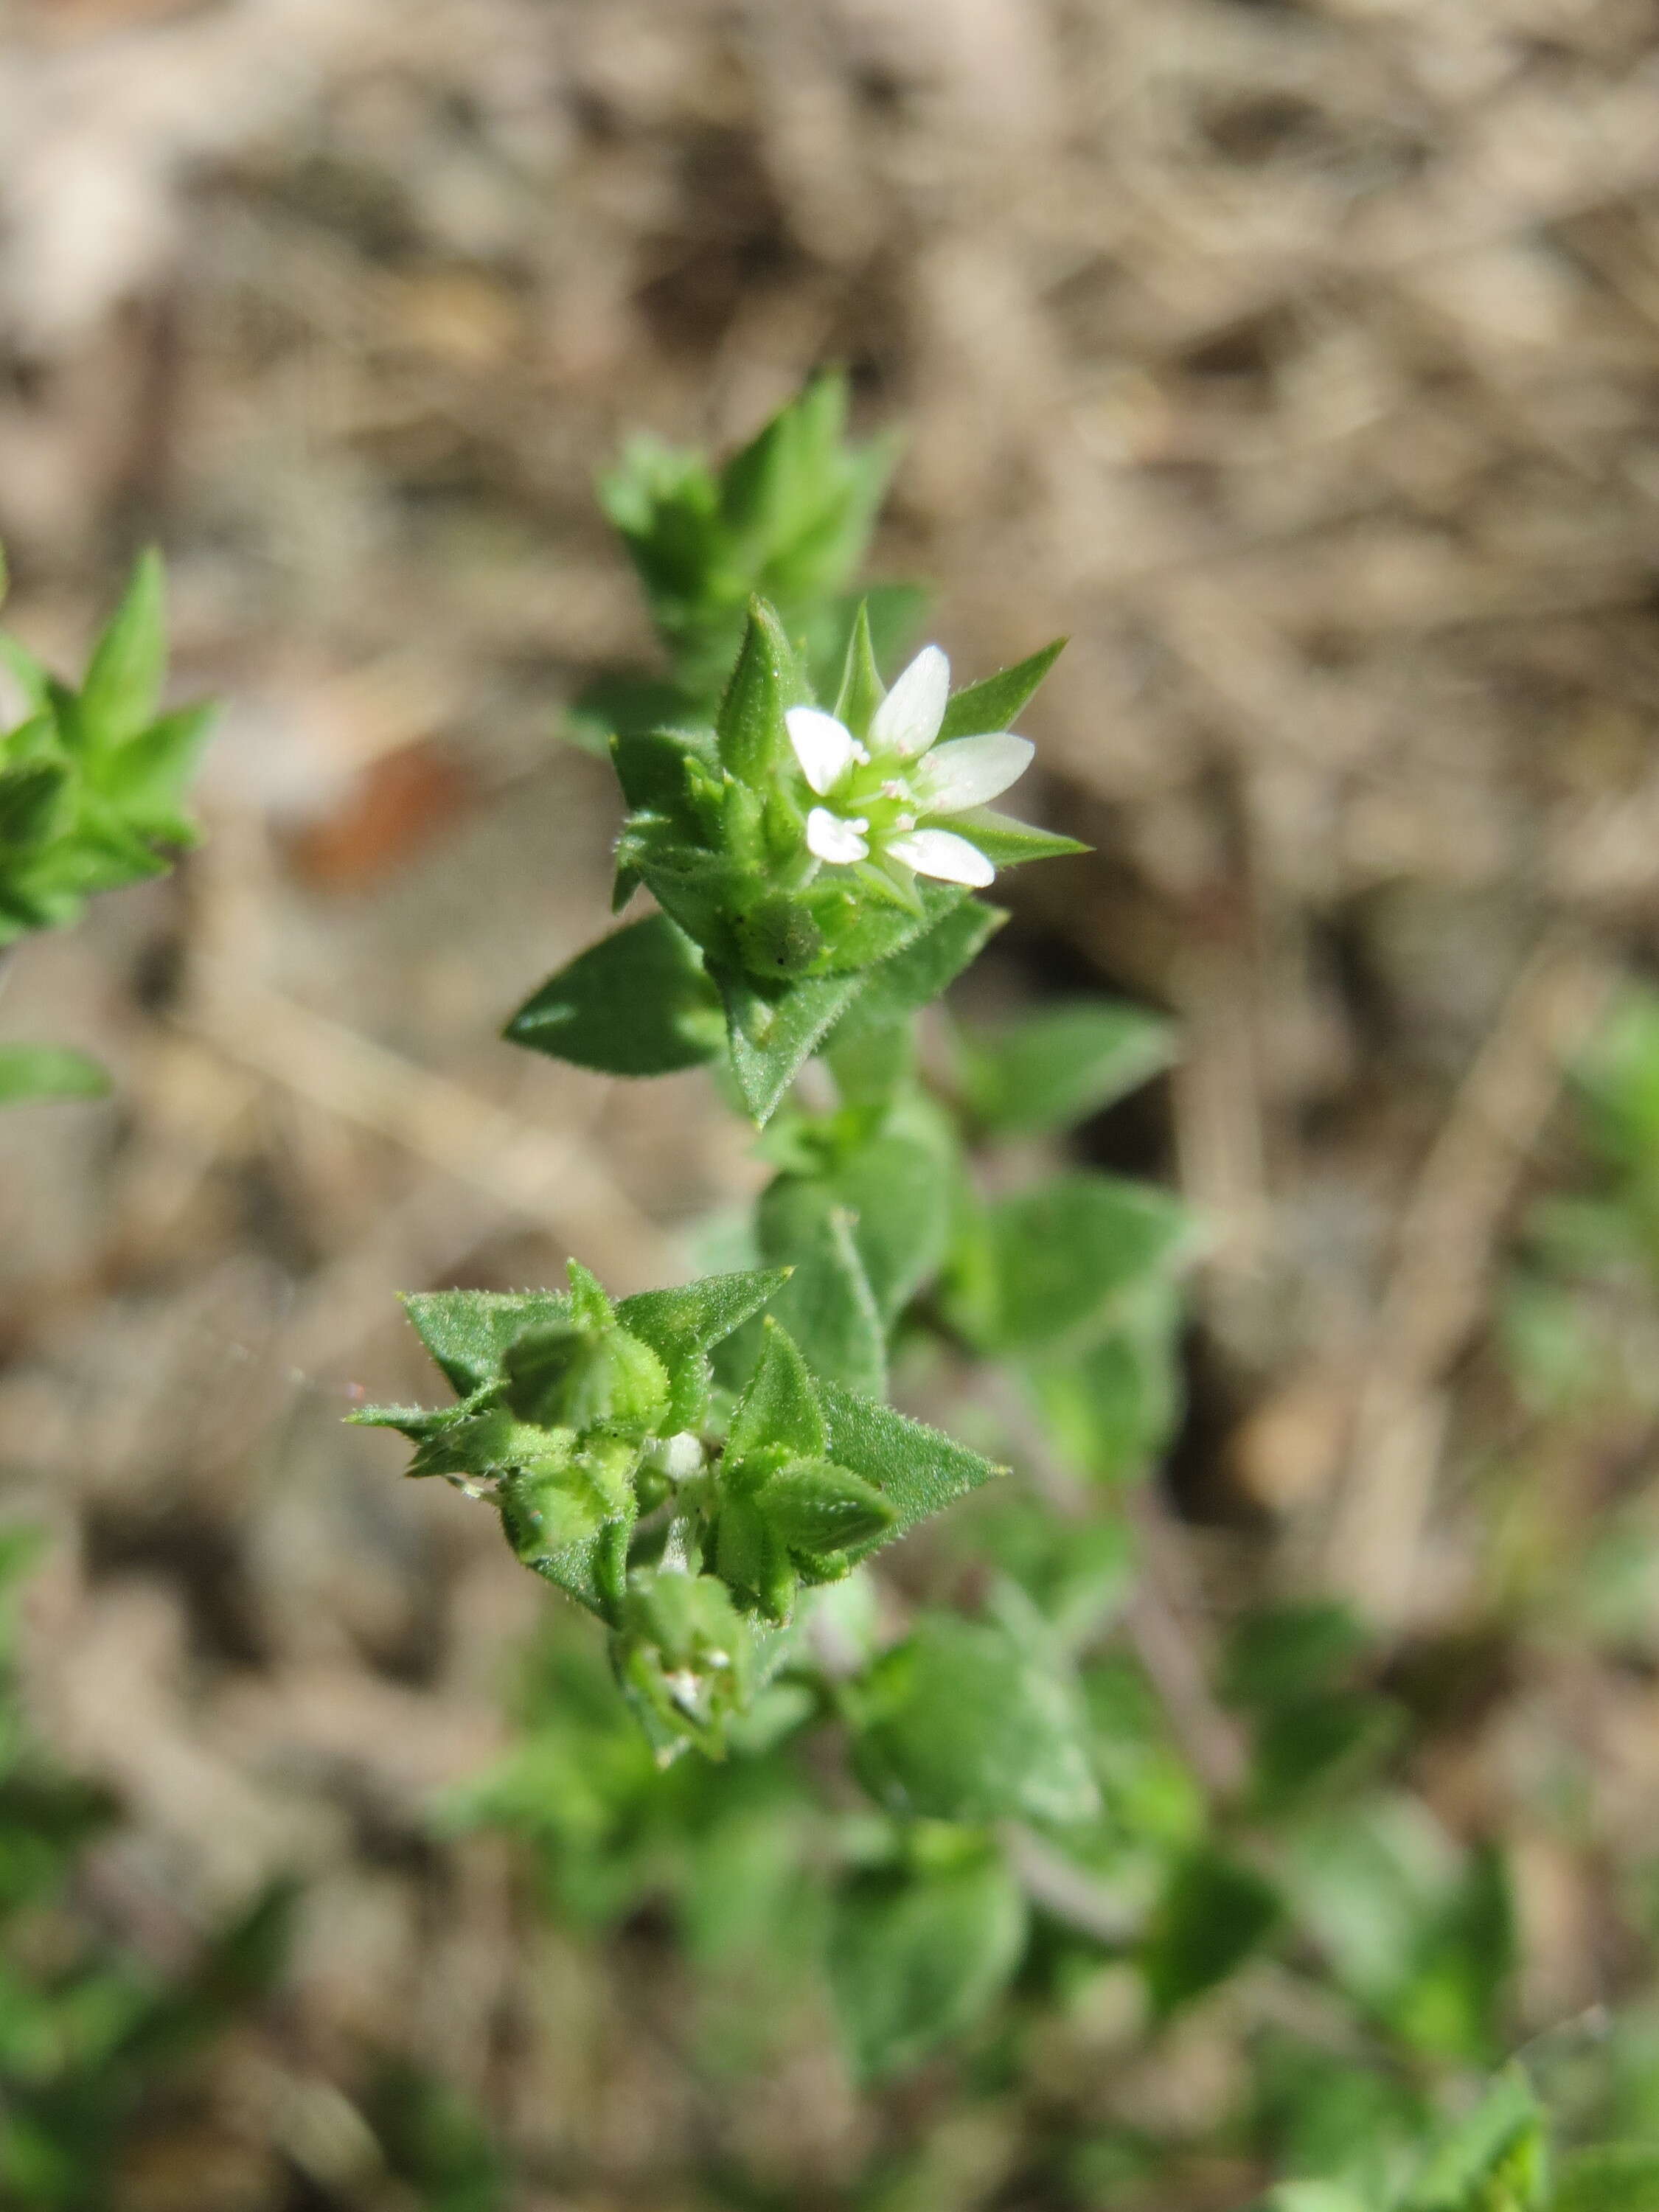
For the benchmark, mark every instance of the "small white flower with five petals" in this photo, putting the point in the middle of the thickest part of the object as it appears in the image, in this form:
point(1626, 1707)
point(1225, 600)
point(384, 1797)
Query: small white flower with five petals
point(884, 800)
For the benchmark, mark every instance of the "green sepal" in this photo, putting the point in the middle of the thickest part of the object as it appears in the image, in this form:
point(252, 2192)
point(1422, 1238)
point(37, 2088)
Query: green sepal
point(49, 1071)
point(685, 1655)
point(991, 704)
point(779, 1416)
point(653, 768)
point(562, 1374)
point(683, 1326)
point(550, 1510)
point(752, 1558)
point(766, 682)
point(817, 1507)
point(1006, 843)
point(862, 690)
point(638, 1003)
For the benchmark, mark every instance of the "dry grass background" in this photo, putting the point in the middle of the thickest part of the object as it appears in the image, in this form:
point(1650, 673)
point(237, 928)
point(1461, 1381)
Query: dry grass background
point(1301, 361)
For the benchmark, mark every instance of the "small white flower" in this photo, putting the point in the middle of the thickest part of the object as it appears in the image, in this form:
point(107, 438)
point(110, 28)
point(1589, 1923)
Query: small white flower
point(887, 801)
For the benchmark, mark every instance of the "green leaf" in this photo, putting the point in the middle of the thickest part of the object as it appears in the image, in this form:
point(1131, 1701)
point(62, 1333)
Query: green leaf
point(48, 1071)
point(468, 1333)
point(828, 1304)
point(993, 704)
point(1277, 1654)
point(652, 769)
point(917, 1470)
point(916, 1959)
point(780, 1411)
point(1059, 1066)
point(124, 679)
point(1492, 2160)
point(1113, 1406)
point(145, 780)
point(1213, 1914)
point(1611, 2177)
point(638, 1003)
point(772, 1037)
point(959, 1723)
point(895, 1193)
point(766, 682)
point(956, 932)
point(818, 1507)
point(1050, 1264)
point(1006, 842)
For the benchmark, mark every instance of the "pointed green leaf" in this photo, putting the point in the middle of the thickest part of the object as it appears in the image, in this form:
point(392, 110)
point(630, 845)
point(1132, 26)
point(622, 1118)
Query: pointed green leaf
point(917, 1470)
point(1006, 843)
point(682, 1326)
point(652, 767)
point(1058, 1066)
point(1213, 1914)
point(699, 1314)
point(957, 932)
point(916, 1959)
point(992, 704)
point(766, 682)
point(145, 780)
point(827, 1302)
point(780, 1411)
point(1048, 1265)
point(958, 1723)
point(772, 1037)
point(468, 1332)
point(124, 679)
point(638, 1003)
point(48, 1071)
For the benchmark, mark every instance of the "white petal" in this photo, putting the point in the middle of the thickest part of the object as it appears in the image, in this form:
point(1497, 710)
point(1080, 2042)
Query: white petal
point(967, 771)
point(832, 839)
point(906, 722)
point(943, 855)
point(825, 749)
